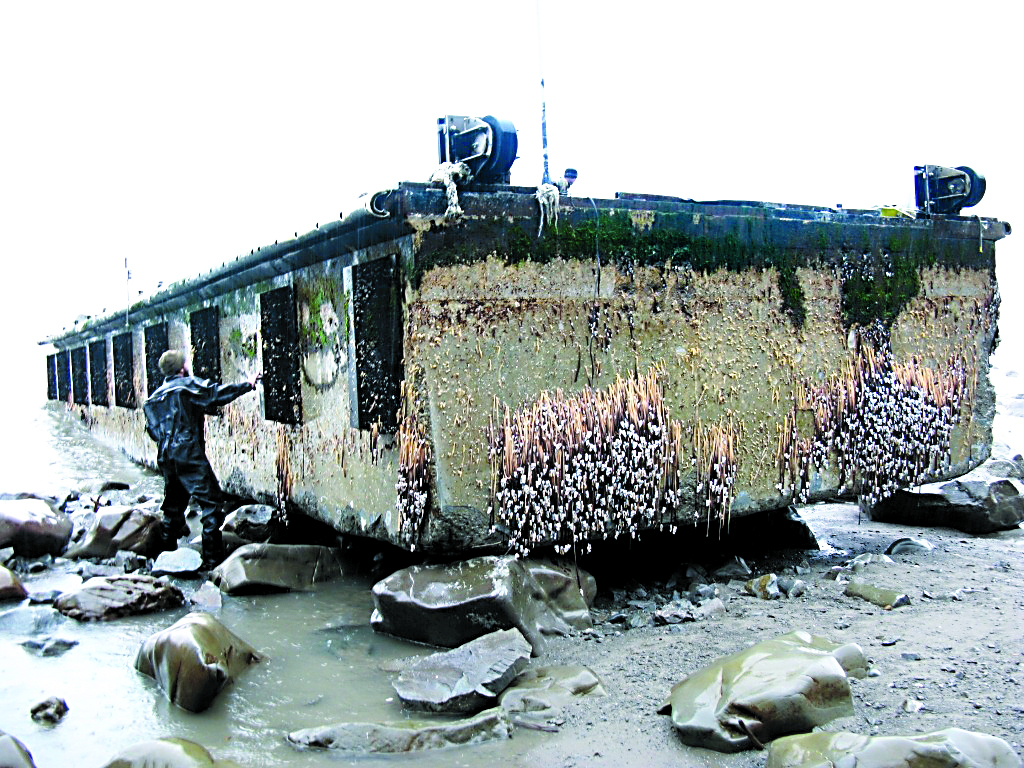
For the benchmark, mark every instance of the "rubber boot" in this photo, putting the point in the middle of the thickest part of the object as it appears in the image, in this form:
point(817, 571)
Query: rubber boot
point(213, 550)
point(213, 543)
point(168, 534)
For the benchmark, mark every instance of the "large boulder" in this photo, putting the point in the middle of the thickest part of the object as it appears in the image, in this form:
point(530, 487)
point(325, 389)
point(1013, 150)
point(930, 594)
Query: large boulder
point(788, 684)
point(116, 529)
point(260, 568)
point(14, 754)
point(33, 527)
point(448, 605)
point(167, 753)
point(193, 659)
point(11, 587)
point(466, 679)
point(971, 506)
point(254, 522)
point(405, 735)
point(110, 597)
point(949, 748)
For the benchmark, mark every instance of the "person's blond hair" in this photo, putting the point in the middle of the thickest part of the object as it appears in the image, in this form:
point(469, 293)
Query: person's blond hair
point(171, 361)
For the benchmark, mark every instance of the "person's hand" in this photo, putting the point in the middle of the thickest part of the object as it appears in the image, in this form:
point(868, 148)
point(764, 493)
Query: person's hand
point(256, 378)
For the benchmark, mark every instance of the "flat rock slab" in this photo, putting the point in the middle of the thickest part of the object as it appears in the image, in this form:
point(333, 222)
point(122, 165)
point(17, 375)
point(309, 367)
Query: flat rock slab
point(30, 620)
point(194, 659)
point(33, 527)
point(541, 693)
point(467, 679)
point(405, 735)
point(949, 748)
point(181, 561)
point(110, 597)
point(169, 752)
point(971, 506)
point(11, 587)
point(119, 528)
point(448, 605)
point(788, 684)
point(262, 568)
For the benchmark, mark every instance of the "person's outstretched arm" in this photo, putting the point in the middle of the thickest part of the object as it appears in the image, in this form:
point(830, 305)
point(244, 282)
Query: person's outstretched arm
point(209, 396)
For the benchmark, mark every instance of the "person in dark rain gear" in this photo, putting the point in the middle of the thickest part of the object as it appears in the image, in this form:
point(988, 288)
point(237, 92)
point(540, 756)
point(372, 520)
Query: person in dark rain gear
point(174, 419)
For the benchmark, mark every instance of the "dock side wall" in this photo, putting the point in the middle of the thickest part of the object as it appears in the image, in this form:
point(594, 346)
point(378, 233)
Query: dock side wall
point(706, 361)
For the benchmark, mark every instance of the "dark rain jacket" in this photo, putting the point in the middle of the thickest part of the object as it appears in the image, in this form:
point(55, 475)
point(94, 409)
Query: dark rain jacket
point(175, 412)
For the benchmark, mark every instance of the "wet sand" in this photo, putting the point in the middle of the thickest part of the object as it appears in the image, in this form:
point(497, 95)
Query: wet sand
point(961, 658)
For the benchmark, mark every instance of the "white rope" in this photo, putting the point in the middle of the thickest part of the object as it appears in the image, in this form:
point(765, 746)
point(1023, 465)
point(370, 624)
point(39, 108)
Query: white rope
point(451, 174)
point(547, 199)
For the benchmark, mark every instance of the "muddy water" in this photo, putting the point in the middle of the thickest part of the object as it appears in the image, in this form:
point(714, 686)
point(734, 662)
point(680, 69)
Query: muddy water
point(324, 663)
point(45, 449)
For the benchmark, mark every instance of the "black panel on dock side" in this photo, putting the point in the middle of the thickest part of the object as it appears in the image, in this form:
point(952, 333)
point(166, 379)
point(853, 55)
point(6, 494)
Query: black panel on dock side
point(124, 371)
point(377, 310)
point(98, 372)
point(282, 393)
point(51, 376)
point(205, 325)
point(80, 376)
point(64, 375)
point(156, 345)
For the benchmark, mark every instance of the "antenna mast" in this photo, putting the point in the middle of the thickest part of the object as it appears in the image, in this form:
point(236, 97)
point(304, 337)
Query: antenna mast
point(127, 291)
point(543, 103)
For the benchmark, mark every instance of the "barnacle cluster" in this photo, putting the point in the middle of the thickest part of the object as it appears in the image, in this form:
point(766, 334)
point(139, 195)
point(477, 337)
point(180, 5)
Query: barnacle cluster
point(715, 456)
point(412, 486)
point(886, 425)
point(601, 463)
point(594, 464)
point(285, 476)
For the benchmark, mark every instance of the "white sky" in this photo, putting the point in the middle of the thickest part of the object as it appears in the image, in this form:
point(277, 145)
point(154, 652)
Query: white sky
point(182, 135)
